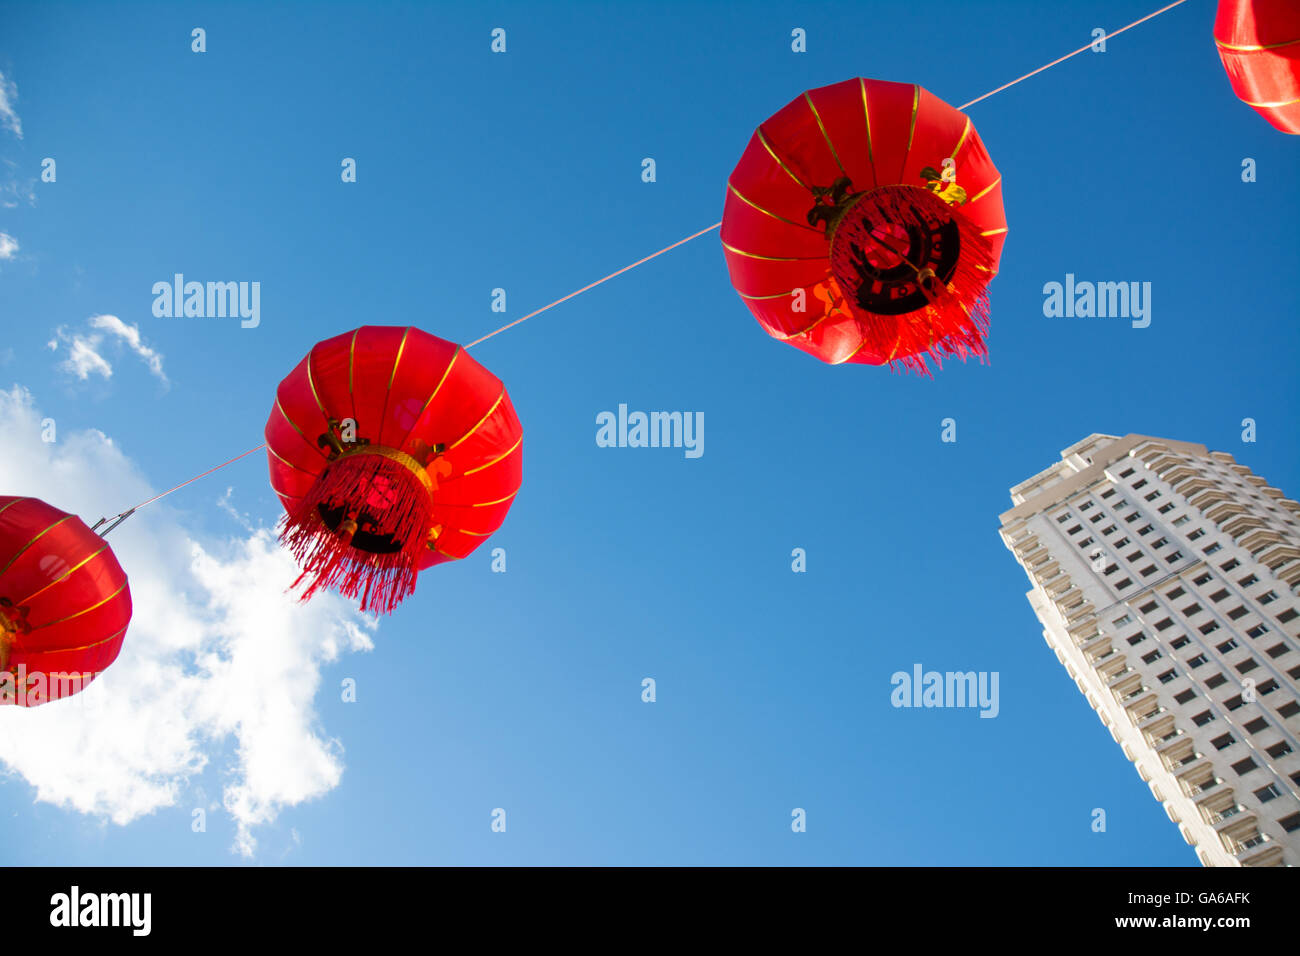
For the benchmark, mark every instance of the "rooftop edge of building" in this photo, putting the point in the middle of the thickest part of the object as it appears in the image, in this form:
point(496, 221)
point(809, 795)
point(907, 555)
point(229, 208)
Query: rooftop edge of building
point(1077, 470)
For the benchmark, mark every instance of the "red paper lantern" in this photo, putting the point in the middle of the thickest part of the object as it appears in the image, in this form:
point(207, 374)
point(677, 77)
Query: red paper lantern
point(392, 451)
point(863, 224)
point(1259, 44)
point(64, 603)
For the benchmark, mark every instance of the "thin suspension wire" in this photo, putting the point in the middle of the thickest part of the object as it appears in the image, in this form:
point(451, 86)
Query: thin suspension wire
point(1081, 49)
point(680, 242)
point(593, 285)
point(197, 477)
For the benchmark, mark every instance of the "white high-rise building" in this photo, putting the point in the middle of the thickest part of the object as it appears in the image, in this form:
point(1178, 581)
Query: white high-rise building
point(1165, 577)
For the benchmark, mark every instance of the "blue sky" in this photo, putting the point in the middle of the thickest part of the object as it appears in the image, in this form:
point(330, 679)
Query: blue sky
point(522, 171)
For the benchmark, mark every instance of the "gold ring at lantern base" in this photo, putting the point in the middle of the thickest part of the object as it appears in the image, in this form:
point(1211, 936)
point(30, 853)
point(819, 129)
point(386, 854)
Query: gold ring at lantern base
point(891, 245)
point(392, 454)
point(364, 527)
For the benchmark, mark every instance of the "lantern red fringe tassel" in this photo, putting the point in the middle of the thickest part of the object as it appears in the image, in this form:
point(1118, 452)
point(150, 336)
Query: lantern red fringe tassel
point(378, 496)
point(955, 321)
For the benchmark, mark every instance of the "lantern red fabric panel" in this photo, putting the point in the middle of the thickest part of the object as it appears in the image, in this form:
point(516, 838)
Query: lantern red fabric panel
point(392, 450)
point(1259, 44)
point(863, 223)
point(64, 603)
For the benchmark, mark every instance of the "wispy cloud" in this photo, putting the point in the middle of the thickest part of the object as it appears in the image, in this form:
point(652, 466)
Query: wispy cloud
point(84, 350)
point(130, 334)
point(8, 115)
point(8, 246)
point(14, 192)
point(217, 653)
point(83, 361)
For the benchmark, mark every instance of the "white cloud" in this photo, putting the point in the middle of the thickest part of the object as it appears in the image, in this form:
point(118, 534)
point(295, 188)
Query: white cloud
point(8, 246)
point(217, 652)
point(9, 96)
point(130, 334)
point(83, 361)
point(84, 358)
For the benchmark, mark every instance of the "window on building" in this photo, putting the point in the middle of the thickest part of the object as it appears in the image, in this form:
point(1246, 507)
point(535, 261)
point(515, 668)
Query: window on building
point(1245, 766)
point(1257, 630)
point(1097, 517)
point(1148, 607)
point(1198, 533)
point(1111, 569)
point(1289, 709)
point(1135, 516)
point(1122, 542)
point(1153, 496)
point(1075, 530)
point(1165, 624)
point(1121, 621)
point(1265, 794)
point(1152, 657)
point(1175, 557)
point(1125, 474)
point(1200, 580)
point(1256, 725)
point(1294, 673)
point(1209, 628)
point(1212, 548)
point(1198, 661)
point(1279, 749)
point(1223, 740)
point(1085, 542)
point(1108, 492)
point(1061, 519)
point(1184, 696)
point(1148, 571)
point(1180, 520)
point(1145, 529)
point(1121, 585)
point(1230, 565)
point(1268, 686)
point(1288, 615)
point(1137, 639)
point(1227, 645)
point(1139, 484)
point(1232, 703)
point(1109, 529)
point(1085, 506)
point(1193, 608)
point(1248, 580)
point(1167, 676)
point(1135, 556)
point(1277, 650)
point(1215, 680)
point(1290, 823)
point(1268, 598)
point(1203, 718)
point(1175, 594)
point(1246, 666)
point(1159, 542)
point(1219, 595)
point(1165, 509)
point(1179, 643)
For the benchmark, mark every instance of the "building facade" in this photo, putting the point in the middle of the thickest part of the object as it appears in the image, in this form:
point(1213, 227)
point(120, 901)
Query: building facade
point(1165, 577)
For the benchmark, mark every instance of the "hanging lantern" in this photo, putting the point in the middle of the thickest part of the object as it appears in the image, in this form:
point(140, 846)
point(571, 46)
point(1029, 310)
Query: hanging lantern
point(392, 451)
point(863, 224)
point(64, 603)
point(1259, 44)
